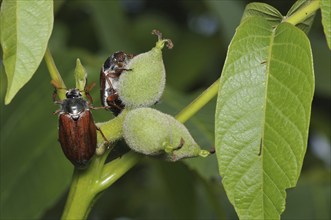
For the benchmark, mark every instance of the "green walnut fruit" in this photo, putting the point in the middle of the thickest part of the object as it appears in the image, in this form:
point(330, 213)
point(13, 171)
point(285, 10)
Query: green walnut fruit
point(142, 84)
point(154, 133)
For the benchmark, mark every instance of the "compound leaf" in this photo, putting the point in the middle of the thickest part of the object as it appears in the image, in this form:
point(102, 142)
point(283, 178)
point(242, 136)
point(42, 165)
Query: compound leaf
point(262, 115)
point(25, 29)
point(263, 10)
point(326, 20)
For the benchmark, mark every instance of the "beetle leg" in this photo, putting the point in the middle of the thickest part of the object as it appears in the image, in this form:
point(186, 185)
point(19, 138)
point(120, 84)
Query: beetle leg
point(103, 136)
point(124, 69)
point(114, 105)
point(113, 74)
point(111, 101)
point(89, 97)
point(54, 96)
point(57, 112)
point(56, 87)
point(89, 87)
point(116, 73)
point(108, 80)
point(100, 107)
point(87, 90)
point(56, 101)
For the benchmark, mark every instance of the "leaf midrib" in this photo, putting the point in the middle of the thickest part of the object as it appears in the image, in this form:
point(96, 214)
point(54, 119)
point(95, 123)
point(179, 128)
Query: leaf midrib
point(267, 75)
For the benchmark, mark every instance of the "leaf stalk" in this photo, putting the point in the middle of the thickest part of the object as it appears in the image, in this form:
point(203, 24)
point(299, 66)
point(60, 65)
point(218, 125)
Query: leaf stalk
point(303, 13)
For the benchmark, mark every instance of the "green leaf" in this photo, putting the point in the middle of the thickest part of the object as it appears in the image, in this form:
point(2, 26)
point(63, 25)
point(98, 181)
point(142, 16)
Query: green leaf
point(306, 24)
point(25, 29)
point(263, 10)
point(262, 116)
point(326, 19)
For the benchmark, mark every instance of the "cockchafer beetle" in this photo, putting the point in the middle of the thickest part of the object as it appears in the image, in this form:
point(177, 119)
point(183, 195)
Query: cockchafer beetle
point(109, 76)
point(77, 130)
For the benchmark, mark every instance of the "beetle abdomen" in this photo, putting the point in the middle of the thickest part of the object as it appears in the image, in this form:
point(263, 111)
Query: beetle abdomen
point(78, 138)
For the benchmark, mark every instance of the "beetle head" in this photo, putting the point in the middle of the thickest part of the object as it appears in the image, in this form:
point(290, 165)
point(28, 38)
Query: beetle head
point(118, 60)
point(73, 93)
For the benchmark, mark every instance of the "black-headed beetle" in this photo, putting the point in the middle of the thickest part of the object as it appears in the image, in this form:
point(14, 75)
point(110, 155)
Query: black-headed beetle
point(109, 75)
point(77, 130)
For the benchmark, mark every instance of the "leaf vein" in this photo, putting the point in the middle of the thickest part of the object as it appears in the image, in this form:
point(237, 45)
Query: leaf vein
point(287, 119)
point(244, 173)
point(293, 67)
point(291, 92)
point(282, 170)
point(281, 137)
point(273, 182)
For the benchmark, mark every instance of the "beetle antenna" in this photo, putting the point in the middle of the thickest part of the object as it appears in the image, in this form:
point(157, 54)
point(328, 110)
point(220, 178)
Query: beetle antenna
point(87, 90)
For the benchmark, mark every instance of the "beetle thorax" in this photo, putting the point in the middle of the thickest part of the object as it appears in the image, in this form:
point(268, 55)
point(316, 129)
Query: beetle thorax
point(74, 107)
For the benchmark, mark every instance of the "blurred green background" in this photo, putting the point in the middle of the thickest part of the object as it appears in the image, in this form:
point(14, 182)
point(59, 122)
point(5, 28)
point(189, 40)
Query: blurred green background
point(35, 174)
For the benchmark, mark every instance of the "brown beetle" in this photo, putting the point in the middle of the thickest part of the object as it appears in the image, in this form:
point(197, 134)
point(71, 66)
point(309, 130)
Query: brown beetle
point(109, 76)
point(77, 130)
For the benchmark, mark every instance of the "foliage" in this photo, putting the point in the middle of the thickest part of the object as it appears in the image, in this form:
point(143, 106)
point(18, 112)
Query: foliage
point(261, 141)
point(25, 31)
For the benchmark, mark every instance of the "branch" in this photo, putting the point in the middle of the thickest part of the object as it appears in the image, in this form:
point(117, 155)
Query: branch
point(198, 103)
point(54, 73)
